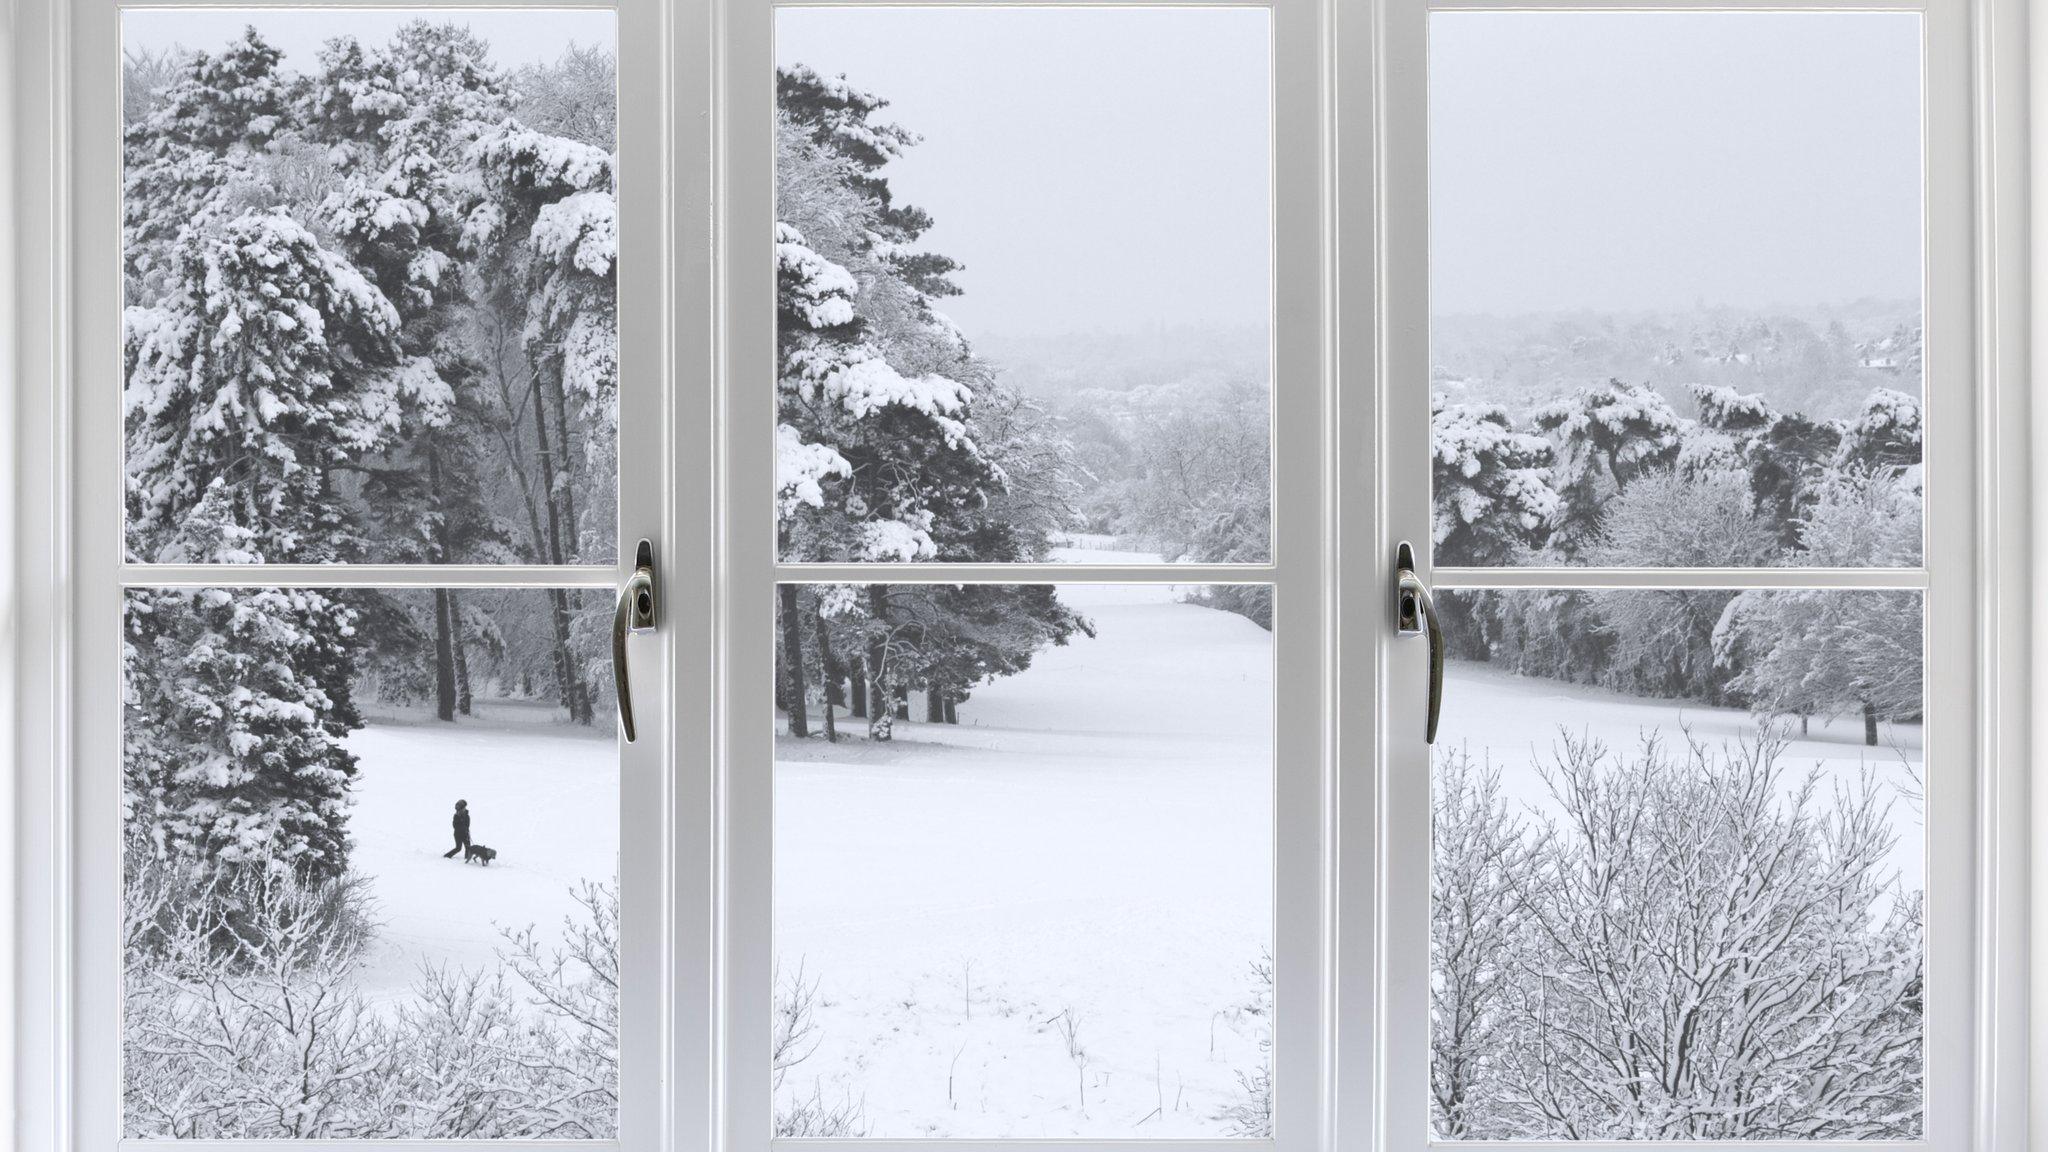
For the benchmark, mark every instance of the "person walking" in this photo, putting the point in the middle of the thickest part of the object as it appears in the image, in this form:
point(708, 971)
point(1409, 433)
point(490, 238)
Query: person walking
point(461, 829)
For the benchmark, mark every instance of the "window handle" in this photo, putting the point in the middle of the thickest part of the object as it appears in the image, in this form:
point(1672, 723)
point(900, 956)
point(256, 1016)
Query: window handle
point(1415, 613)
point(635, 615)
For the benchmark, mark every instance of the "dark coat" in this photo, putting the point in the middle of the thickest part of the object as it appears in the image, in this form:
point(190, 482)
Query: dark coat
point(462, 823)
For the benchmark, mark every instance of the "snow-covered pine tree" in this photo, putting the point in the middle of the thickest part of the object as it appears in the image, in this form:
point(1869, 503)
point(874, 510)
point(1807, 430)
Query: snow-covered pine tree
point(235, 705)
point(880, 454)
point(258, 361)
point(879, 459)
point(1606, 435)
point(1493, 498)
point(190, 160)
point(1885, 435)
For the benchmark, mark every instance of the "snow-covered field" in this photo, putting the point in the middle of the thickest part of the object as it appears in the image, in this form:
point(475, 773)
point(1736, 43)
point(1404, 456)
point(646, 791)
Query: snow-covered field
point(1094, 837)
point(1516, 723)
point(544, 794)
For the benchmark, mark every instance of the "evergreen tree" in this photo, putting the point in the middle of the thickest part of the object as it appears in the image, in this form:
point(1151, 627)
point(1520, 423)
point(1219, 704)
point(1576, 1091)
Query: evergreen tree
point(259, 361)
point(1493, 496)
point(1606, 435)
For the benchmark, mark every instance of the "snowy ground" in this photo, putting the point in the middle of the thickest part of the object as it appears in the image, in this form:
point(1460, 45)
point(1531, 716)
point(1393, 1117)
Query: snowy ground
point(1516, 722)
point(544, 794)
point(1094, 837)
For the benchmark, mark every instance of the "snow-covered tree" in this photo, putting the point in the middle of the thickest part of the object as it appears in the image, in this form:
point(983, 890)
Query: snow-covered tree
point(890, 640)
point(1885, 435)
point(544, 231)
point(263, 361)
point(1710, 948)
point(878, 458)
point(235, 708)
point(1606, 436)
point(270, 362)
point(1822, 652)
point(1662, 641)
point(1493, 498)
point(1478, 924)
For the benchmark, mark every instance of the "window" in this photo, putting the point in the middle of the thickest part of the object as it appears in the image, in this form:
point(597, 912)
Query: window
point(1029, 640)
point(349, 532)
point(1691, 385)
point(743, 576)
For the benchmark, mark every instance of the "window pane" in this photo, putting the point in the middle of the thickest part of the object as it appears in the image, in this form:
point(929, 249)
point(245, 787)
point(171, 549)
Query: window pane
point(1678, 867)
point(371, 869)
point(369, 284)
point(1024, 283)
point(1024, 861)
point(1675, 263)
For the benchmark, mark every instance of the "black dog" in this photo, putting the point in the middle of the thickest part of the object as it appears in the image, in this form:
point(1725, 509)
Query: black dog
point(480, 853)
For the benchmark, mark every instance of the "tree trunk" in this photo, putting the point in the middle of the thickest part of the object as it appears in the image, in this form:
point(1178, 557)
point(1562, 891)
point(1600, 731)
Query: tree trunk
point(934, 705)
point(444, 626)
point(570, 528)
point(575, 694)
point(444, 659)
point(857, 688)
point(567, 678)
point(463, 696)
point(793, 661)
point(880, 726)
point(952, 716)
point(828, 671)
point(1869, 724)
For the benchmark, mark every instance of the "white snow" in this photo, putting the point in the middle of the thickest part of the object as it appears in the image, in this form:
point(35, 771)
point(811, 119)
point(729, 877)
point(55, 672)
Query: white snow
point(544, 794)
point(1094, 835)
point(1514, 722)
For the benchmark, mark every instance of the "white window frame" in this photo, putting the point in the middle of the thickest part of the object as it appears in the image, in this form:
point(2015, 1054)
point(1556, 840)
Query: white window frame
point(705, 1099)
point(1973, 855)
point(1299, 573)
point(663, 852)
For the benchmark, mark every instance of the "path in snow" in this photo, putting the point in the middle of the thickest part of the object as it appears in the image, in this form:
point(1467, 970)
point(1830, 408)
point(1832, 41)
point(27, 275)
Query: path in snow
point(544, 794)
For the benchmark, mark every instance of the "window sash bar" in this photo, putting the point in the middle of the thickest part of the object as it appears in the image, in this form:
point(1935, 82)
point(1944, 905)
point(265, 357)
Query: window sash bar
point(1875, 579)
point(368, 576)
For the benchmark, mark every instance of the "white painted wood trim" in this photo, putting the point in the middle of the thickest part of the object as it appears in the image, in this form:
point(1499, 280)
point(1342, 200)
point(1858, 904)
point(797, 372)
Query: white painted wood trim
point(37, 1061)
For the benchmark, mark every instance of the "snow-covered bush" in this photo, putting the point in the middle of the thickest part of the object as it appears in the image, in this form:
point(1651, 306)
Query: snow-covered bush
point(1702, 946)
point(243, 1020)
point(1250, 1113)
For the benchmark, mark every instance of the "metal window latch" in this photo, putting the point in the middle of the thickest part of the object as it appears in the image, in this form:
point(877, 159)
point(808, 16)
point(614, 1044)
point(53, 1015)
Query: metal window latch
point(1415, 614)
point(635, 615)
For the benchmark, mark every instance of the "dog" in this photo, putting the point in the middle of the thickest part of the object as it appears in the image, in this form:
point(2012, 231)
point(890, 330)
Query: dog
point(480, 854)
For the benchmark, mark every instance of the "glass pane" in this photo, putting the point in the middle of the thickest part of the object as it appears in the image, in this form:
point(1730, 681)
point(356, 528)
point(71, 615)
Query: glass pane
point(369, 280)
point(1024, 283)
point(371, 869)
point(1024, 861)
point(1678, 868)
point(1675, 264)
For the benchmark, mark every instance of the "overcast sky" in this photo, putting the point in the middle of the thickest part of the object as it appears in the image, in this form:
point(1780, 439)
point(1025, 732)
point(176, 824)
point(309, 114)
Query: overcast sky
point(1652, 160)
point(531, 36)
point(1094, 169)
